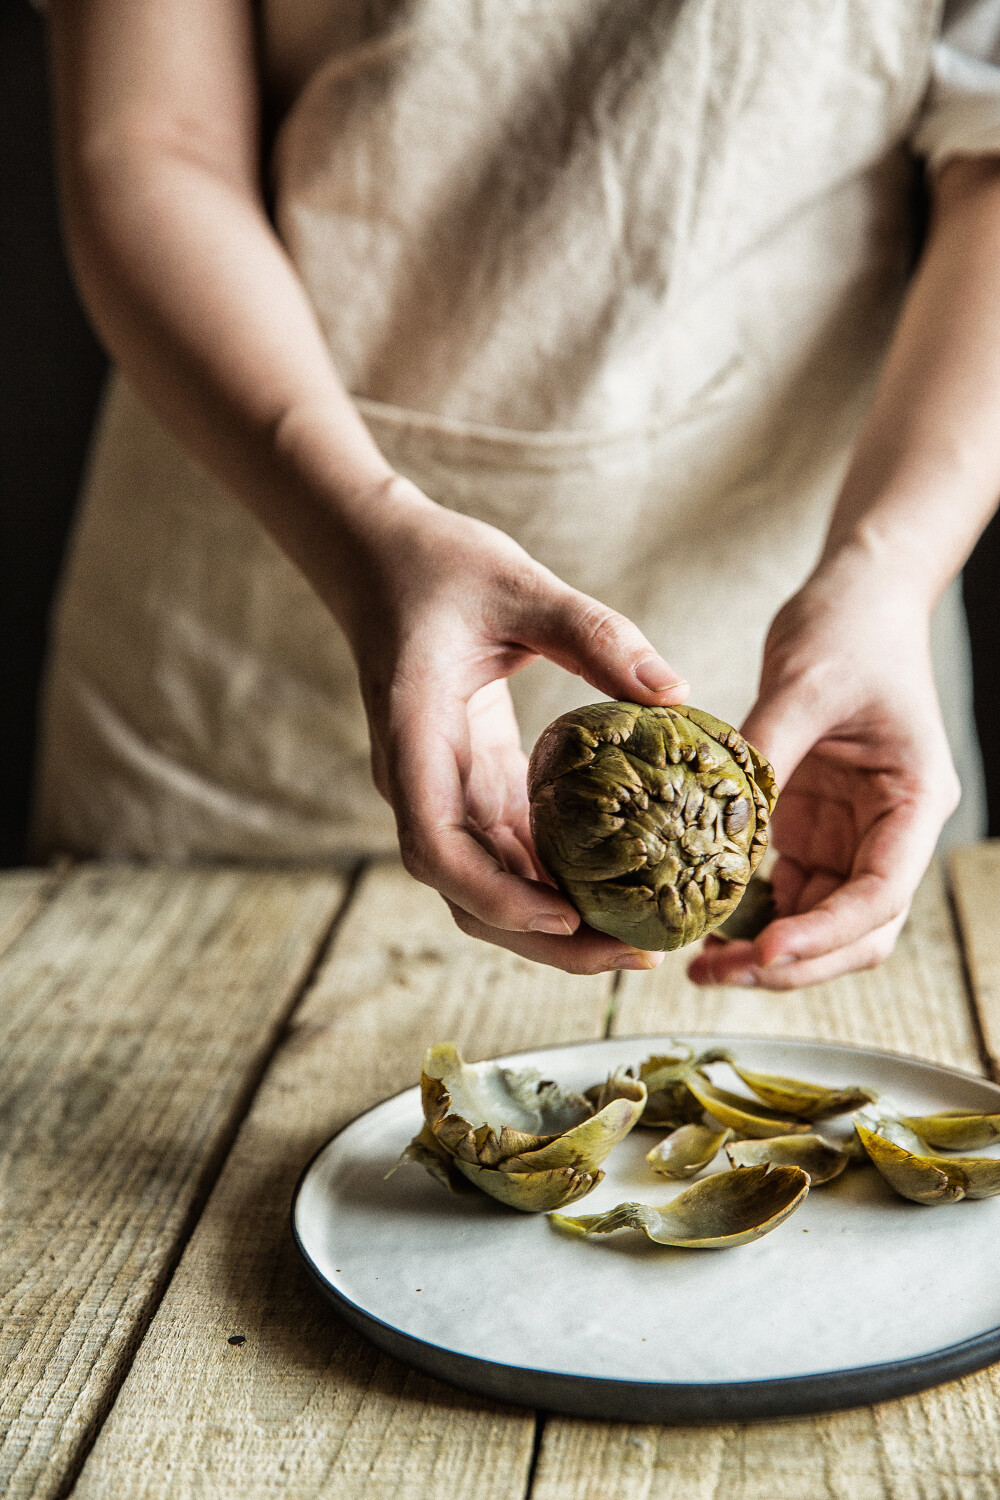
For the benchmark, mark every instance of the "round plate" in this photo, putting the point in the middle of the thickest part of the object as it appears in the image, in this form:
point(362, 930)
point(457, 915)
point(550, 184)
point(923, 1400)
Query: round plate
point(858, 1297)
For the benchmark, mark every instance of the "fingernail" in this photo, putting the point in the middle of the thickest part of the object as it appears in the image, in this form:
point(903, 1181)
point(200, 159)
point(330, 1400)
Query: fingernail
point(549, 922)
point(744, 979)
point(654, 674)
point(781, 962)
point(640, 960)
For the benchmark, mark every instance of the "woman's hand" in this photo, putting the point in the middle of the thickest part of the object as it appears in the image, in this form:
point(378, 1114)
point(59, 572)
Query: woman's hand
point(440, 610)
point(849, 717)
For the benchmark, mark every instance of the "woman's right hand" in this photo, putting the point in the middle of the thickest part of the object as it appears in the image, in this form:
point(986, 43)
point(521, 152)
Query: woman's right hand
point(440, 610)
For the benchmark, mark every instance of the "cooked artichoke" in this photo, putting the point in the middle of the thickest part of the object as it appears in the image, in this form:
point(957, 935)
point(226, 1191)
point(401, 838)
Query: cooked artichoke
point(817, 1157)
point(522, 1139)
point(956, 1129)
point(907, 1165)
point(688, 1150)
point(650, 820)
point(743, 1116)
point(726, 1209)
point(793, 1096)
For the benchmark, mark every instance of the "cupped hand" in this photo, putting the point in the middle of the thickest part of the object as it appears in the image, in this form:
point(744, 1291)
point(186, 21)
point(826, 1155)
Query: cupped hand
point(848, 715)
point(440, 610)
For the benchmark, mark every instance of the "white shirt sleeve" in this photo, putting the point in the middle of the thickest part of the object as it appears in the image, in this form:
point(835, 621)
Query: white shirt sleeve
point(961, 110)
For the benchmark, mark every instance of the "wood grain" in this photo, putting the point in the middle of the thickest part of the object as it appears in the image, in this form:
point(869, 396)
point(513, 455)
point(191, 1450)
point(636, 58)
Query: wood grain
point(138, 1008)
point(975, 877)
point(23, 894)
point(942, 1445)
point(304, 1407)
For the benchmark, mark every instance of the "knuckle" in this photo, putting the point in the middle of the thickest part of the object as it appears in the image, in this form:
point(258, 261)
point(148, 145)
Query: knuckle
point(600, 626)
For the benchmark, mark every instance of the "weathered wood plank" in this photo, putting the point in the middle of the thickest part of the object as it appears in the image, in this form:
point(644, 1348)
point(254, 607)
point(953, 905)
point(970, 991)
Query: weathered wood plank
point(305, 1408)
point(137, 1012)
point(942, 1445)
point(23, 893)
point(975, 878)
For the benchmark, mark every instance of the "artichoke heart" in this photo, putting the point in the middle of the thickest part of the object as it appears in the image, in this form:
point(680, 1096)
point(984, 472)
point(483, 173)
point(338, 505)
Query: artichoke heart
point(724, 1210)
point(914, 1171)
point(650, 820)
point(521, 1139)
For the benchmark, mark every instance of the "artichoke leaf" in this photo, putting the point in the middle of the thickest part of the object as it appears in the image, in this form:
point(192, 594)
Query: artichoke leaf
point(743, 1116)
point(721, 1211)
point(912, 1176)
point(794, 1096)
point(817, 1157)
point(915, 1172)
point(587, 1144)
point(687, 1150)
point(532, 1192)
point(956, 1129)
point(425, 1151)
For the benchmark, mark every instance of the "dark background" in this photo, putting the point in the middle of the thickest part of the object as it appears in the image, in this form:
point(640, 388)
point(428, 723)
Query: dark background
point(51, 372)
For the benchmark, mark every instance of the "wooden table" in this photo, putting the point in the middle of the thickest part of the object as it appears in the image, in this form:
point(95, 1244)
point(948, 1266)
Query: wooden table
point(174, 1044)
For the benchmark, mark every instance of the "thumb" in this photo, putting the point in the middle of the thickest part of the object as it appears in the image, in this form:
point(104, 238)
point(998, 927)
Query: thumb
point(604, 648)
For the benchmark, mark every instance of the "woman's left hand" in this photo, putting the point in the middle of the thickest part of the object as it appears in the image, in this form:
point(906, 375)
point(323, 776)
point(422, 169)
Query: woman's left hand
point(848, 715)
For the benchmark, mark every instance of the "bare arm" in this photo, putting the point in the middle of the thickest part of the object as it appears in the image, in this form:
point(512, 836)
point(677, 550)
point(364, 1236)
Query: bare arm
point(847, 709)
point(157, 131)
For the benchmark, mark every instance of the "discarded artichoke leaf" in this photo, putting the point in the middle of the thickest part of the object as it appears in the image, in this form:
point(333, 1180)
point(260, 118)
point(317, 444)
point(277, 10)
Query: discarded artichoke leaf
point(650, 820)
point(665, 1067)
point(956, 1129)
point(724, 1210)
point(912, 1176)
point(425, 1151)
point(532, 1192)
point(687, 1150)
point(743, 1116)
point(672, 1106)
point(817, 1157)
point(618, 1085)
point(522, 1139)
point(794, 1096)
point(906, 1163)
point(586, 1145)
point(755, 911)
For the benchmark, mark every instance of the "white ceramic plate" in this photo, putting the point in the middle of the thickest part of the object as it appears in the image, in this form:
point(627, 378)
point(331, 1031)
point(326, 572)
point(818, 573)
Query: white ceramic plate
point(858, 1297)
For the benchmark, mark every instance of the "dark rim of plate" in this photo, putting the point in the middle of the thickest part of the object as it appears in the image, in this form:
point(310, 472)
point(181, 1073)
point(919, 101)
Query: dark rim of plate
point(615, 1399)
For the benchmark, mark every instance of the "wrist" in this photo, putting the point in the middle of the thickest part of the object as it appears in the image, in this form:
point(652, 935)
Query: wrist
point(869, 563)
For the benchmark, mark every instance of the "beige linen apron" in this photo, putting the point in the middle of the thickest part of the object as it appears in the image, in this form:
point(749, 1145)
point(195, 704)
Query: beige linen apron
point(613, 275)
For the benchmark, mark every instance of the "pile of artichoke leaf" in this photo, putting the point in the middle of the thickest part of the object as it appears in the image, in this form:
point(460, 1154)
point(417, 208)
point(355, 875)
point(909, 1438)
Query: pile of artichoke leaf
point(538, 1147)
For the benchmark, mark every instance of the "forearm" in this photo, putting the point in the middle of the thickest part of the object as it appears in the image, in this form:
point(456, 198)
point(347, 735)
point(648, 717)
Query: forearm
point(925, 476)
point(196, 299)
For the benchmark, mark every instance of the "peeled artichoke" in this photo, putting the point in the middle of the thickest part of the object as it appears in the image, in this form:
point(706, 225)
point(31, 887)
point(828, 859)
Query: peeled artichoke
point(521, 1139)
point(726, 1209)
point(650, 820)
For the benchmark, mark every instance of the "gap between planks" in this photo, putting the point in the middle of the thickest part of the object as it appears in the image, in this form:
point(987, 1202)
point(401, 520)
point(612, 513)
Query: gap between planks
point(305, 1407)
point(139, 1007)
